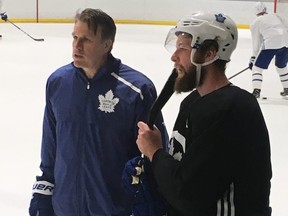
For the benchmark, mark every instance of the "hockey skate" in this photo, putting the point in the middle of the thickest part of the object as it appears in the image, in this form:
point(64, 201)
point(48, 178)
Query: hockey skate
point(284, 93)
point(256, 93)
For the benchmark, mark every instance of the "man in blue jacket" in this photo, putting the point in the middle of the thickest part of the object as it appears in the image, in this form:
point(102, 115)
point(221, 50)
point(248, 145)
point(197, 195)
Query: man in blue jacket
point(90, 126)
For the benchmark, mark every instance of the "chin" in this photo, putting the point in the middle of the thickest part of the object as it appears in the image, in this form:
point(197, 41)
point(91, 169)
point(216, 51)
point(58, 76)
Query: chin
point(180, 73)
point(77, 62)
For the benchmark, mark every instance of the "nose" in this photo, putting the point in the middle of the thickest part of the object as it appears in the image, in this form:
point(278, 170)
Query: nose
point(174, 57)
point(77, 44)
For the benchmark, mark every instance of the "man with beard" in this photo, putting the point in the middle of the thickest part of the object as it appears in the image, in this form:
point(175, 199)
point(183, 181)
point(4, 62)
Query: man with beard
point(217, 163)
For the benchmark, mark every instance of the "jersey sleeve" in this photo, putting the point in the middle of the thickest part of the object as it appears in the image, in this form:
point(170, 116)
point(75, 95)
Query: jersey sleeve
point(48, 146)
point(257, 39)
point(201, 176)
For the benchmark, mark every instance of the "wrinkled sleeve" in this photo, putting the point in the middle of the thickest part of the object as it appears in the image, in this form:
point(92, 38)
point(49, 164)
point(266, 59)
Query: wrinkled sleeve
point(257, 39)
point(48, 146)
point(197, 179)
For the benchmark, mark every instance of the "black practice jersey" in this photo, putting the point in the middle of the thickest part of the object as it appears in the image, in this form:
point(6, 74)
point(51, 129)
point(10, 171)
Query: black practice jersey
point(219, 157)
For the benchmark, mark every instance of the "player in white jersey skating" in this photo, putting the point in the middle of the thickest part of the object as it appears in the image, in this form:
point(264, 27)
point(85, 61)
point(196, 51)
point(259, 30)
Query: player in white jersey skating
point(269, 38)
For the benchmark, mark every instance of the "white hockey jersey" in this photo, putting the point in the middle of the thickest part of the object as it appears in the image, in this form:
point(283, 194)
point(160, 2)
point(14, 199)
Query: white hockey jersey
point(268, 31)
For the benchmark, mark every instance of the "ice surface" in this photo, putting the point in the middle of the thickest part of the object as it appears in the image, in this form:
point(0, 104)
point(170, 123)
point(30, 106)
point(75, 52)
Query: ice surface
point(25, 65)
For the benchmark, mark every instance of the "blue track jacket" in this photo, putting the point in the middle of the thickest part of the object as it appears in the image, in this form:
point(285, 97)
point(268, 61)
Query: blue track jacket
point(89, 133)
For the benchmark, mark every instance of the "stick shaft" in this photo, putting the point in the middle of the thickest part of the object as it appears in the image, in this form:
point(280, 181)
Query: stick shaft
point(36, 39)
point(163, 97)
point(238, 73)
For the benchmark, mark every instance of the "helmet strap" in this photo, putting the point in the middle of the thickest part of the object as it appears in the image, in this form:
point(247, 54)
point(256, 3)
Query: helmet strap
point(199, 66)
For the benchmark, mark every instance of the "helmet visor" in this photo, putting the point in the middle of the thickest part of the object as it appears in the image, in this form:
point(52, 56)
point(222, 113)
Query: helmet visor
point(177, 40)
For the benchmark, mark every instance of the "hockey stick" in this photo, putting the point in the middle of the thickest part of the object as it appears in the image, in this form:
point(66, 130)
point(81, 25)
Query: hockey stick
point(35, 39)
point(238, 73)
point(161, 100)
point(163, 97)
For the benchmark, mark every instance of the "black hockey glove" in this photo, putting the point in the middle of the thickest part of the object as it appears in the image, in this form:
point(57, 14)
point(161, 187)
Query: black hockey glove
point(4, 16)
point(41, 202)
point(251, 62)
point(138, 180)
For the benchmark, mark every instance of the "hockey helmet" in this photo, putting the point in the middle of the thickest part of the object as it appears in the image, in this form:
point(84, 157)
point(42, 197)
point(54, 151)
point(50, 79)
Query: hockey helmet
point(204, 26)
point(260, 8)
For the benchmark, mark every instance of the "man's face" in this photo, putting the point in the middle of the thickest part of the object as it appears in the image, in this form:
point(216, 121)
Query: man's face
point(182, 62)
point(89, 52)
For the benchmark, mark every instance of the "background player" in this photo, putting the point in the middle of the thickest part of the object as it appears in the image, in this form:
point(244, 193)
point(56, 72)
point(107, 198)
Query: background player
point(269, 38)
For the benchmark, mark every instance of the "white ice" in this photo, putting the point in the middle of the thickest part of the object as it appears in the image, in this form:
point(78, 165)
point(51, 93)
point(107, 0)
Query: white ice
point(25, 65)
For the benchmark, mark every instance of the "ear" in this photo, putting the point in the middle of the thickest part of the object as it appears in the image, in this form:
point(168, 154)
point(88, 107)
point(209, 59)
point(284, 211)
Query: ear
point(210, 54)
point(108, 45)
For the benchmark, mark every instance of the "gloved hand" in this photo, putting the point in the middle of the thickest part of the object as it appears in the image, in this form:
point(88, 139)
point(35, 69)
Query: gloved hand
point(41, 205)
point(131, 175)
point(138, 180)
point(251, 62)
point(4, 16)
point(41, 202)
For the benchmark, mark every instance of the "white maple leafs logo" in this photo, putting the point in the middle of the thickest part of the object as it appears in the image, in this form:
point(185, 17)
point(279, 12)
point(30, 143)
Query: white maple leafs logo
point(177, 155)
point(107, 103)
point(176, 136)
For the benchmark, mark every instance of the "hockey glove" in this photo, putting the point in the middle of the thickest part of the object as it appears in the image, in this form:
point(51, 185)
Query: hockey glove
point(138, 180)
point(251, 62)
point(4, 16)
point(131, 175)
point(41, 202)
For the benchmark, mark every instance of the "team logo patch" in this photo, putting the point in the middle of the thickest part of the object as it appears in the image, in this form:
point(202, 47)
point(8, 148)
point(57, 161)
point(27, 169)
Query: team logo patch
point(220, 18)
point(177, 145)
point(107, 103)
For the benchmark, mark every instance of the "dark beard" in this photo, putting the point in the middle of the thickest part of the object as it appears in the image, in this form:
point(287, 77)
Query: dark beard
point(187, 82)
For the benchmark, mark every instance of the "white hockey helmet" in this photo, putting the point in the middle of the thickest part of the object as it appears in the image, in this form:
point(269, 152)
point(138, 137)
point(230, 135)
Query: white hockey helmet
point(205, 26)
point(260, 8)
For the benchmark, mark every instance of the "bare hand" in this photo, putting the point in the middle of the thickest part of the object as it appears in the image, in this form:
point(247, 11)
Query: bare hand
point(148, 141)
